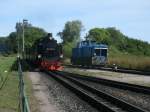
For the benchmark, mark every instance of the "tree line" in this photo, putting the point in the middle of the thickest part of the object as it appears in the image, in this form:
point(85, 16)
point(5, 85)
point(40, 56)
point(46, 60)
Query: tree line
point(116, 39)
point(71, 34)
point(14, 40)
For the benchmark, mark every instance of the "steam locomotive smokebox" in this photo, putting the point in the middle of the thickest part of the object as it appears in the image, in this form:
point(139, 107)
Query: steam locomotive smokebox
point(46, 53)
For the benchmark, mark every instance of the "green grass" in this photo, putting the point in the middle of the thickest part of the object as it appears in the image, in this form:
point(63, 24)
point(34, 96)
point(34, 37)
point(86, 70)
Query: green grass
point(130, 61)
point(9, 92)
point(5, 67)
point(126, 60)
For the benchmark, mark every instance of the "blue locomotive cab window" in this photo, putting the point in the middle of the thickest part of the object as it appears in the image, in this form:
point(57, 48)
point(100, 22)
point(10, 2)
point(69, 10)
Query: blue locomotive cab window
point(104, 52)
point(97, 52)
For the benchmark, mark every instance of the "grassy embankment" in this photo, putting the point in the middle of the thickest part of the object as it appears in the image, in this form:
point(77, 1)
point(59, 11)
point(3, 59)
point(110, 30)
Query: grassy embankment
point(130, 61)
point(9, 91)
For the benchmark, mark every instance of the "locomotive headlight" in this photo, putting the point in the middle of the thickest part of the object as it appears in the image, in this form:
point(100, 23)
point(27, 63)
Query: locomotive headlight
point(61, 56)
point(39, 56)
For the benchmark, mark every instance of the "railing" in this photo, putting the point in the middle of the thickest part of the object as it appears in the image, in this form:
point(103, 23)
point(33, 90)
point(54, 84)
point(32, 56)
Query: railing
point(23, 101)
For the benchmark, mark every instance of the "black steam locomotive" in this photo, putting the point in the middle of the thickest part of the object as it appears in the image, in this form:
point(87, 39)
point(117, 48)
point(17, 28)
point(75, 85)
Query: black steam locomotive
point(46, 53)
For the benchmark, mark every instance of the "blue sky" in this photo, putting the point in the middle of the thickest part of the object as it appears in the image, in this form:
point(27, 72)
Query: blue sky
point(132, 17)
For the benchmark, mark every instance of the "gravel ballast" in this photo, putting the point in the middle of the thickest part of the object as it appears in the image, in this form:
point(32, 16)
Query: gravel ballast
point(138, 99)
point(122, 77)
point(53, 97)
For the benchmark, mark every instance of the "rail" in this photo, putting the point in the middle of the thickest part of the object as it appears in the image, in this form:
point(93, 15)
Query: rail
point(112, 69)
point(102, 101)
point(111, 83)
point(23, 101)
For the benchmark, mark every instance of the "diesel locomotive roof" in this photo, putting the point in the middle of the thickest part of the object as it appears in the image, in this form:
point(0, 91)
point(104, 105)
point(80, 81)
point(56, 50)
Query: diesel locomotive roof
point(91, 44)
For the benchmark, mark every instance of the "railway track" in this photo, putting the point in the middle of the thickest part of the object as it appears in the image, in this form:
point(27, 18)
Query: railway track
point(120, 70)
point(102, 101)
point(116, 84)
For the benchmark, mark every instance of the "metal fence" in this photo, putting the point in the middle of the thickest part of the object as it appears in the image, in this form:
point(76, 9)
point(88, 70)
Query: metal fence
point(23, 102)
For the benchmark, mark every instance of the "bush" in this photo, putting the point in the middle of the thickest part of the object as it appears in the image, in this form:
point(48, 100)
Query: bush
point(67, 49)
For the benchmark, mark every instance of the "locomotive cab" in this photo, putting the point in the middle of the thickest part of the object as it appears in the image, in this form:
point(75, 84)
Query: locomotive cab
point(89, 53)
point(100, 56)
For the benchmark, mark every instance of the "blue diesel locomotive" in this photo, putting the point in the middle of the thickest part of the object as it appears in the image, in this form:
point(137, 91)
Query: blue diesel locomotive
point(89, 53)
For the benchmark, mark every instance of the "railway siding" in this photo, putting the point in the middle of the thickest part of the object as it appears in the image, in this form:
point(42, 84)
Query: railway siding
point(90, 98)
point(134, 96)
point(122, 77)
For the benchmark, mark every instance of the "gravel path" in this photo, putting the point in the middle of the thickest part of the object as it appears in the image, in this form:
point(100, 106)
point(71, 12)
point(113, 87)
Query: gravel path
point(53, 97)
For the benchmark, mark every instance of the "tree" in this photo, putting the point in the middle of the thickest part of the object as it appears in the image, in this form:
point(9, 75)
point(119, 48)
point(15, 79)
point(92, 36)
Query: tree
point(2, 40)
point(117, 40)
point(3, 45)
point(99, 34)
point(11, 42)
point(32, 34)
point(71, 31)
